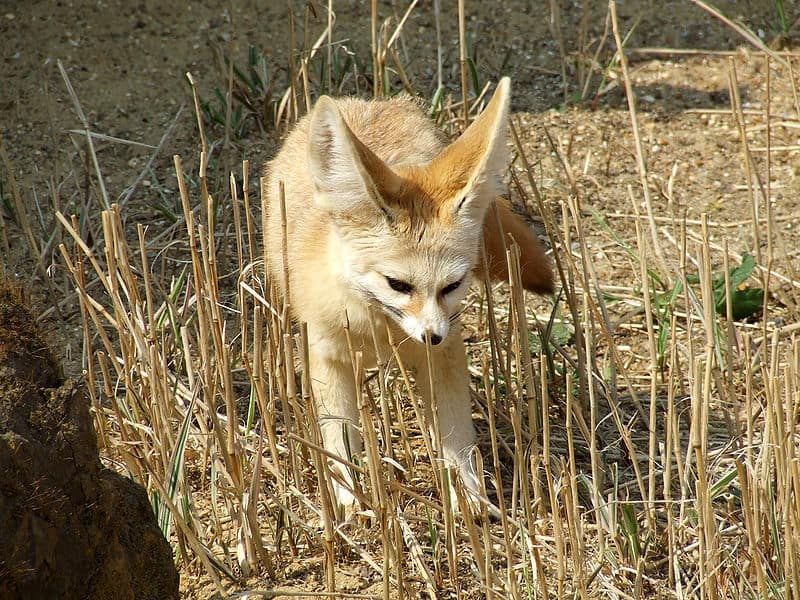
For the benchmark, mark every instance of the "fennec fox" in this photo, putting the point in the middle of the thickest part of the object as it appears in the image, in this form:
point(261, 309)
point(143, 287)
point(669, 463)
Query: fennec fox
point(383, 216)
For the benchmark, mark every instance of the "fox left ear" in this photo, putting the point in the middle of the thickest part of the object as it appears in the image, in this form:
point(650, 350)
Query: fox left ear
point(350, 177)
point(473, 166)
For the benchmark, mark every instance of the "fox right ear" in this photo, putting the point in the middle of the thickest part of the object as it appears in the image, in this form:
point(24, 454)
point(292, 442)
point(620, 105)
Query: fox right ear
point(348, 176)
point(473, 166)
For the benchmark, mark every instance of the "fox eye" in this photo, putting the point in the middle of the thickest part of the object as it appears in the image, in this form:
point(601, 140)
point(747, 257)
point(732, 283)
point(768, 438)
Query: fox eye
point(399, 286)
point(452, 287)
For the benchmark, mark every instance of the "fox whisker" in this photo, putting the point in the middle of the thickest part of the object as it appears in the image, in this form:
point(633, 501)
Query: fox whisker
point(395, 312)
point(391, 310)
point(456, 315)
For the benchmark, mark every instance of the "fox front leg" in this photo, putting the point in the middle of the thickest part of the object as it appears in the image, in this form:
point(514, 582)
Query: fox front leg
point(337, 413)
point(453, 409)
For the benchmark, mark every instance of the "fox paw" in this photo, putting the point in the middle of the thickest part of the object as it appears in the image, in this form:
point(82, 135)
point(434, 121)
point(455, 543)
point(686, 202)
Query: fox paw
point(346, 504)
point(469, 499)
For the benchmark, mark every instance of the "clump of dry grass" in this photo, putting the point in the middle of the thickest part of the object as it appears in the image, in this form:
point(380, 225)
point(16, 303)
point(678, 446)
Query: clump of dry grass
point(663, 467)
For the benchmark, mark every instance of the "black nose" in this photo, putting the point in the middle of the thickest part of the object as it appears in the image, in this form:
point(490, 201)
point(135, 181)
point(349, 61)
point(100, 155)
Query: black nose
point(435, 339)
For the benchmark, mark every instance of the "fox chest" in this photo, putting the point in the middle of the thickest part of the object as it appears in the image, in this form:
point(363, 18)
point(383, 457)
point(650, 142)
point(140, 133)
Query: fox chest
point(341, 346)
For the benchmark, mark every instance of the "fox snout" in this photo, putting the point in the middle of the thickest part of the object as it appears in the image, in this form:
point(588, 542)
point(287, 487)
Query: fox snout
point(430, 325)
point(434, 338)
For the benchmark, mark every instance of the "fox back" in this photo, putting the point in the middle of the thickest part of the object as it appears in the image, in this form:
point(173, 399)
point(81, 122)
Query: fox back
point(382, 212)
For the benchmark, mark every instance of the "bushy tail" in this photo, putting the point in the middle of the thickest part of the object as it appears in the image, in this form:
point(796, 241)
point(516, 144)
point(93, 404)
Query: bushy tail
point(537, 274)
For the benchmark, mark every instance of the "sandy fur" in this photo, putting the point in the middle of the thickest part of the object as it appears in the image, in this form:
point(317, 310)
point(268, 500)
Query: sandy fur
point(373, 192)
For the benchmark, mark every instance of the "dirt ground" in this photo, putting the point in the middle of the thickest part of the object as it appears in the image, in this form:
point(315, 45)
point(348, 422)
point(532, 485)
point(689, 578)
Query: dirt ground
point(127, 63)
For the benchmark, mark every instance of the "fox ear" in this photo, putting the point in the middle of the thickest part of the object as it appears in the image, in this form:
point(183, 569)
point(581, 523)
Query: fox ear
point(473, 166)
point(348, 176)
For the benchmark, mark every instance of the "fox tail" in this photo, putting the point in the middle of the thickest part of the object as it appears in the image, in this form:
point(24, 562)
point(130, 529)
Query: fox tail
point(535, 269)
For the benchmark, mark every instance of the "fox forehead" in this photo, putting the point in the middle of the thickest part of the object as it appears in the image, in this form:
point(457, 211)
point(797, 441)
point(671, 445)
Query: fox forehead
point(425, 194)
point(427, 265)
point(422, 214)
point(427, 253)
point(423, 237)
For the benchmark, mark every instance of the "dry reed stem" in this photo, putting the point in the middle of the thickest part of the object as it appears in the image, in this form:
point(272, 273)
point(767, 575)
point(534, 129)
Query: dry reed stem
point(640, 158)
point(89, 143)
point(646, 282)
point(558, 36)
point(751, 173)
point(741, 30)
point(130, 190)
point(462, 61)
point(21, 212)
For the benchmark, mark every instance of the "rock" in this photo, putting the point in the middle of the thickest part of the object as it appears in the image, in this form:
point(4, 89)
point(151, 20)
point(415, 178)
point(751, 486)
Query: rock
point(69, 528)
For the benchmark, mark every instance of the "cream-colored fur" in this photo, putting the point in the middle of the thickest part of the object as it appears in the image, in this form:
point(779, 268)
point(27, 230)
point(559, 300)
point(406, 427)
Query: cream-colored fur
point(383, 216)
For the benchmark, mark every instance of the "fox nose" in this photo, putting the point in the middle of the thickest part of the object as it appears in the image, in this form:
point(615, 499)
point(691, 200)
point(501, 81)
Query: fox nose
point(435, 338)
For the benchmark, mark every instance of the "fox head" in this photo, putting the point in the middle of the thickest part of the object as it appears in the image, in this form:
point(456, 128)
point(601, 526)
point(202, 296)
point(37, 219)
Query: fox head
point(409, 235)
